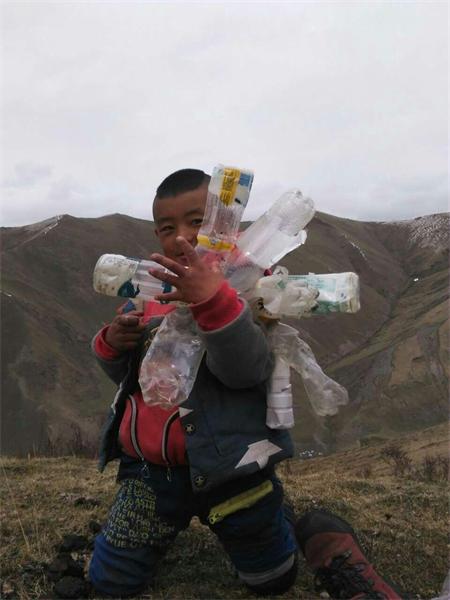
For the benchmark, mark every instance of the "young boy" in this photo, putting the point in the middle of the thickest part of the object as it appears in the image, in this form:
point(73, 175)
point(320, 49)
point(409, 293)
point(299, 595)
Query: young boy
point(213, 456)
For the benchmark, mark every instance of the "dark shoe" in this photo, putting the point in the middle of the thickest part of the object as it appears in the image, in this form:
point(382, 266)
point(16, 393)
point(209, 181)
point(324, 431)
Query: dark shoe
point(332, 551)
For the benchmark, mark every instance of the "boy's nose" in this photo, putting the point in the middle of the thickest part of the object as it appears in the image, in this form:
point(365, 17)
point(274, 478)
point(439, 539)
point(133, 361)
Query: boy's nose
point(189, 234)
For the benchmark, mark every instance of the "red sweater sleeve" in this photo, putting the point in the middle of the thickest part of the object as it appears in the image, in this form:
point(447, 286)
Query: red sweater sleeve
point(218, 310)
point(102, 348)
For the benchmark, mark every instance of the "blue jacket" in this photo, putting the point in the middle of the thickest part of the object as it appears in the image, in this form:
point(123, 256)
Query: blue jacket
point(224, 417)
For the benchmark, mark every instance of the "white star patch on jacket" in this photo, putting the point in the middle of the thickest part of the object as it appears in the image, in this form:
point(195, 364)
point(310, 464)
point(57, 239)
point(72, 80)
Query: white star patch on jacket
point(258, 452)
point(184, 411)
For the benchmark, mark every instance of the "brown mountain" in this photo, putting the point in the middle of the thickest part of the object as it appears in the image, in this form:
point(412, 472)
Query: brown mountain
point(392, 355)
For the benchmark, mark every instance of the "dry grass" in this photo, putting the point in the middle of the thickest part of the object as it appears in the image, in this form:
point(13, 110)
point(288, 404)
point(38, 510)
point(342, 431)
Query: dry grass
point(402, 524)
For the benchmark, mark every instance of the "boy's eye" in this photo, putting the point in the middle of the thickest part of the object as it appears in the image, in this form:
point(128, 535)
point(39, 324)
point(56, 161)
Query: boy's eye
point(166, 229)
point(197, 222)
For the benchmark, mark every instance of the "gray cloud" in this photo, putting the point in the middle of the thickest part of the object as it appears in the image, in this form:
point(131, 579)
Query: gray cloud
point(27, 174)
point(407, 199)
point(66, 190)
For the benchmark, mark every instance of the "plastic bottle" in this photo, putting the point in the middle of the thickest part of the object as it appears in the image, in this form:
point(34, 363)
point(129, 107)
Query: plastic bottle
point(228, 194)
point(338, 292)
point(276, 233)
point(324, 394)
point(276, 297)
point(279, 413)
point(284, 295)
point(170, 366)
point(117, 275)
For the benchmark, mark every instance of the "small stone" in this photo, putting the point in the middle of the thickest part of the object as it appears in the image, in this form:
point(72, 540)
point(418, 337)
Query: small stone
point(59, 563)
point(87, 501)
point(57, 568)
point(69, 497)
point(73, 542)
point(64, 565)
point(94, 527)
point(71, 587)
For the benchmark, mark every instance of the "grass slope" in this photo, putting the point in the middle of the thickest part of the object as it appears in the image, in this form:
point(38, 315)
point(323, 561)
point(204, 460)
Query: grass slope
point(401, 520)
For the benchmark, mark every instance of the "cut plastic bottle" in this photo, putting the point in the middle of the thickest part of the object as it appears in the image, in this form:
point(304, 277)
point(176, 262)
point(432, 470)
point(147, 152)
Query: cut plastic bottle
point(228, 194)
point(273, 235)
point(284, 295)
point(169, 368)
point(324, 394)
point(117, 275)
point(278, 231)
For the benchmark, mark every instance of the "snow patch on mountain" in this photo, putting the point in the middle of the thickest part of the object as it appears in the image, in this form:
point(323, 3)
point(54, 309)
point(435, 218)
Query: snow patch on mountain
point(43, 227)
point(50, 226)
point(359, 249)
point(431, 231)
point(38, 229)
point(24, 234)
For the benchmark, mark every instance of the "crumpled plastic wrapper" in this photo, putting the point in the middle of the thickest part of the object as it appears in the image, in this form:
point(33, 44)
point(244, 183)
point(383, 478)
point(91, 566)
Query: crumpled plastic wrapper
point(169, 368)
point(277, 296)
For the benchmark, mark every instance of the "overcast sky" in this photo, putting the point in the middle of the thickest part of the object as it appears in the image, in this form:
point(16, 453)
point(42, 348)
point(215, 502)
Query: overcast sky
point(346, 100)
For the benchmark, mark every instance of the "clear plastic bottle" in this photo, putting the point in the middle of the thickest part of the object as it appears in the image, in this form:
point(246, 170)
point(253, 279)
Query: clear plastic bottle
point(277, 232)
point(117, 275)
point(338, 292)
point(284, 295)
point(228, 194)
point(170, 366)
point(324, 394)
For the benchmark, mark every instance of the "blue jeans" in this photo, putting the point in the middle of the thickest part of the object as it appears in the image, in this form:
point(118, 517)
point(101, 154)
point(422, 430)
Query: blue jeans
point(149, 511)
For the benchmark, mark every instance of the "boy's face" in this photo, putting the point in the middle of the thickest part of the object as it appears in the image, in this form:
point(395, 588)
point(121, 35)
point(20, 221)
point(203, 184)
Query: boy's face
point(180, 215)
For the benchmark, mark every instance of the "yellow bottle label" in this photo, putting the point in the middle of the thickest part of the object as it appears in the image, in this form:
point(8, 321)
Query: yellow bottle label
point(214, 244)
point(229, 184)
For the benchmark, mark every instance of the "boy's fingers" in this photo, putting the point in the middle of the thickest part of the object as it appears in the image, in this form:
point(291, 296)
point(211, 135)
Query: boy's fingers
point(188, 250)
point(128, 320)
point(215, 267)
point(169, 297)
point(129, 345)
point(132, 313)
point(131, 337)
point(168, 263)
point(162, 276)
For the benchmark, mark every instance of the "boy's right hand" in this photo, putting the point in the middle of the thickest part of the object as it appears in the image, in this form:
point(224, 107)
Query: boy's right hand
point(125, 331)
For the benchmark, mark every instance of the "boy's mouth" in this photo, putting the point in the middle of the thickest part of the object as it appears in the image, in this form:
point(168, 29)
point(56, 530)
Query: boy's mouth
point(182, 260)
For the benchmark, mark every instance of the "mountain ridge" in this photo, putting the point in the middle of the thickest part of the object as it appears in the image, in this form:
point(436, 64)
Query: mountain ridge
point(50, 312)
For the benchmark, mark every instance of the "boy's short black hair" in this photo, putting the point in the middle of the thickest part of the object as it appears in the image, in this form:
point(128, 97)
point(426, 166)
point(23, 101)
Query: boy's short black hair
point(184, 180)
